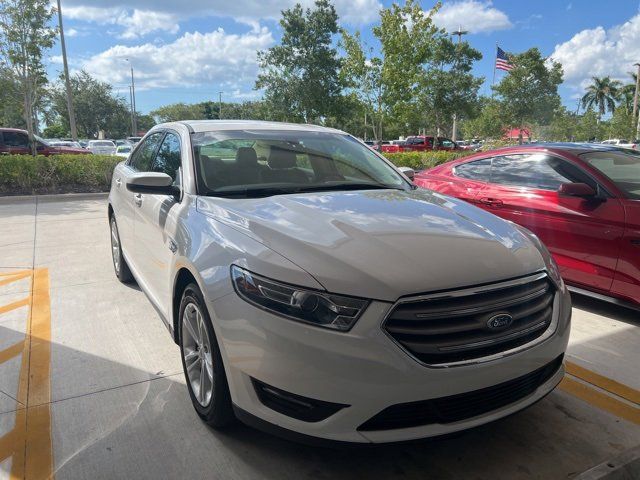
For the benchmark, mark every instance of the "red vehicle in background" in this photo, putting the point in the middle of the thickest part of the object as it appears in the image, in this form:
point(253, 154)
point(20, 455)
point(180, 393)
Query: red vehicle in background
point(394, 146)
point(14, 141)
point(420, 143)
point(581, 200)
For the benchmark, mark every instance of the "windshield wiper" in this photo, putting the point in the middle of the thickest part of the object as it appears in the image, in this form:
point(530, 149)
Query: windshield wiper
point(269, 191)
point(348, 186)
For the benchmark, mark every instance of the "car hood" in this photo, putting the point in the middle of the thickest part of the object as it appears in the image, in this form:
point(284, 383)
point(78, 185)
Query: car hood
point(63, 150)
point(383, 244)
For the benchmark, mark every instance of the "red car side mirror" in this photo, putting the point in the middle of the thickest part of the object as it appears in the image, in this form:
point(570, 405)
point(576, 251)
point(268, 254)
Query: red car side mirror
point(577, 190)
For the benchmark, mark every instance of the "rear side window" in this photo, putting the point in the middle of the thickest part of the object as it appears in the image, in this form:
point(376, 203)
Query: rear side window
point(168, 159)
point(142, 158)
point(480, 170)
point(535, 170)
point(15, 139)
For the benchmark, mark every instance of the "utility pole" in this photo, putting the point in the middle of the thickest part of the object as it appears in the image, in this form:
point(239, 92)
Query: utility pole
point(67, 81)
point(133, 121)
point(454, 130)
point(133, 101)
point(635, 102)
point(220, 105)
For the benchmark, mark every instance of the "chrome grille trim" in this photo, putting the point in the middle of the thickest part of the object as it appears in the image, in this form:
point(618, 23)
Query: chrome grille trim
point(550, 330)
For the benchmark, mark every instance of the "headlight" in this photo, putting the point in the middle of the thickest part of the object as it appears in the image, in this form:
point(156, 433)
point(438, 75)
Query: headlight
point(309, 306)
point(551, 265)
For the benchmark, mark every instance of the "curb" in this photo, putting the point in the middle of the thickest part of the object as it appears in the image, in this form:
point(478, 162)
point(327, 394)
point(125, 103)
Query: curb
point(625, 466)
point(57, 197)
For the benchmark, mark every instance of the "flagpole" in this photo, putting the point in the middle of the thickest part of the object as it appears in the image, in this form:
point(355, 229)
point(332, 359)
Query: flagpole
point(494, 71)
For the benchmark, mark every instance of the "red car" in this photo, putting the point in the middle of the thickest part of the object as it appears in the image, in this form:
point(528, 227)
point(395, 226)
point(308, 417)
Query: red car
point(420, 142)
point(582, 200)
point(16, 142)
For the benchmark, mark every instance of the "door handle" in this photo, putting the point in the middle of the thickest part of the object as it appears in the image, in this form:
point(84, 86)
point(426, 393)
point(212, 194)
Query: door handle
point(635, 241)
point(138, 199)
point(491, 202)
point(118, 182)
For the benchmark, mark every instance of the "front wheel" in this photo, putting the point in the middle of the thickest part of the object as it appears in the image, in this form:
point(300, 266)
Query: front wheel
point(202, 362)
point(119, 263)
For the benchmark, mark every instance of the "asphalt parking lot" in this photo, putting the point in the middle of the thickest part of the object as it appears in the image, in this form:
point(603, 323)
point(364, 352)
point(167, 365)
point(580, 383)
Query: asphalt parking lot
point(91, 383)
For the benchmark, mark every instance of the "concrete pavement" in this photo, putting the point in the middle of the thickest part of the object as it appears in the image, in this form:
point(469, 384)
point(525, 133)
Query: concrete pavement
point(91, 383)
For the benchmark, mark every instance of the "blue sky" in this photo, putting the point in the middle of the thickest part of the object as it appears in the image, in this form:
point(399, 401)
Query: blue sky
point(189, 50)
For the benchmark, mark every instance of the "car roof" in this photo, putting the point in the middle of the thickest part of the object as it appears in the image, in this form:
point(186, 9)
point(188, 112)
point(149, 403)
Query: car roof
point(212, 125)
point(574, 147)
point(5, 129)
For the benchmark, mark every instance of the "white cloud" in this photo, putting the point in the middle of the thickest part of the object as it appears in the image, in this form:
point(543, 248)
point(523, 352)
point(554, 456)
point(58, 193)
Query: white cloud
point(72, 32)
point(216, 58)
point(166, 14)
point(476, 16)
point(600, 52)
point(134, 24)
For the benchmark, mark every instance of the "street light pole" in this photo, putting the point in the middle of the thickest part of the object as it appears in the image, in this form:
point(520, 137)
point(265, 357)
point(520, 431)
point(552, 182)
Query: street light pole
point(454, 129)
point(67, 81)
point(635, 102)
point(133, 102)
point(220, 105)
point(133, 122)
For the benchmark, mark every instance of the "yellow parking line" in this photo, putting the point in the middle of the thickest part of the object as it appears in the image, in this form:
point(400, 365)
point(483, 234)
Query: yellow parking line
point(14, 277)
point(603, 382)
point(13, 305)
point(601, 400)
point(28, 444)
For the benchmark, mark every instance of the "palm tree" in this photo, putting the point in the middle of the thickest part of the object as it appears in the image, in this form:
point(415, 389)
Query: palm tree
point(602, 94)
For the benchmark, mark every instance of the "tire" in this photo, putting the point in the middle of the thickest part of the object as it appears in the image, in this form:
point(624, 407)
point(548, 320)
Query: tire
point(119, 263)
point(198, 349)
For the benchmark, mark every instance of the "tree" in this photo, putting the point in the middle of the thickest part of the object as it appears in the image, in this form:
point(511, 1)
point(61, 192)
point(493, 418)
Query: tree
point(96, 107)
point(10, 104)
point(362, 76)
point(177, 112)
point(301, 74)
point(24, 36)
point(602, 94)
point(529, 92)
point(490, 122)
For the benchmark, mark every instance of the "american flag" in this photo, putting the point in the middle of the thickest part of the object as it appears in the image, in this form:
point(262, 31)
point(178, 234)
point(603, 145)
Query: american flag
point(502, 61)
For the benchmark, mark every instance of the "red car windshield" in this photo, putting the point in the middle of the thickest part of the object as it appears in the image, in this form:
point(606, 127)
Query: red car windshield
point(623, 168)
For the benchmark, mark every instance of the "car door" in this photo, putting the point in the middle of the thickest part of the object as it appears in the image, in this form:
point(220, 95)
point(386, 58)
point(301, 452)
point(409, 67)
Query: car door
point(124, 201)
point(154, 224)
point(583, 234)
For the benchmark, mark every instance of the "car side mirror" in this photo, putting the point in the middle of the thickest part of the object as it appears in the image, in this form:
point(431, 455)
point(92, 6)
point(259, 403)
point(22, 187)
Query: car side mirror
point(151, 182)
point(577, 190)
point(408, 172)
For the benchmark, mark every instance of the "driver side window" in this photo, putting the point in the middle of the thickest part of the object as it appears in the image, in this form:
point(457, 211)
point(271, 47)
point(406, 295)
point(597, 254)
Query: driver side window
point(142, 158)
point(168, 158)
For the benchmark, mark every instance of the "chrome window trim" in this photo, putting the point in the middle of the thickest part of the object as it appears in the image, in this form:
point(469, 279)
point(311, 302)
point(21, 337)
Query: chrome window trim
point(550, 331)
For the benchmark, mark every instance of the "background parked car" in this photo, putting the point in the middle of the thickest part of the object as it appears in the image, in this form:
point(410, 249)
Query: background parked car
point(622, 143)
point(102, 147)
point(134, 140)
point(14, 141)
point(394, 146)
point(582, 200)
point(124, 150)
point(65, 143)
point(420, 143)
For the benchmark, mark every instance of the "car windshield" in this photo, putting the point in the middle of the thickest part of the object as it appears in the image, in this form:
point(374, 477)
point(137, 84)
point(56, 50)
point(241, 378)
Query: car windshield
point(42, 140)
point(102, 144)
point(124, 149)
point(244, 163)
point(623, 168)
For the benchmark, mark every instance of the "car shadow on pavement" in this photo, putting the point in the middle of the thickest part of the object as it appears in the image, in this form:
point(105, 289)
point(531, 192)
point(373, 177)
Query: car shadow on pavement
point(606, 309)
point(112, 420)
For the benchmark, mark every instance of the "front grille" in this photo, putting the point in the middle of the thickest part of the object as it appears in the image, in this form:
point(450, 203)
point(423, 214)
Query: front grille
point(463, 406)
point(453, 326)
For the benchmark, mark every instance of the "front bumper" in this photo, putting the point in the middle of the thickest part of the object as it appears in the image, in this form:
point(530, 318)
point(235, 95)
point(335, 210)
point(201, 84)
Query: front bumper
point(362, 368)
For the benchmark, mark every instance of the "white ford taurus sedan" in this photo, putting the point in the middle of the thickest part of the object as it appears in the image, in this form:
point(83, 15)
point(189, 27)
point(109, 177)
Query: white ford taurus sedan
point(316, 293)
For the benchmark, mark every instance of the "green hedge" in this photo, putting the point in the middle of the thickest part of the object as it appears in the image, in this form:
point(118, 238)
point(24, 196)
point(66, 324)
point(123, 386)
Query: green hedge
point(423, 160)
point(27, 175)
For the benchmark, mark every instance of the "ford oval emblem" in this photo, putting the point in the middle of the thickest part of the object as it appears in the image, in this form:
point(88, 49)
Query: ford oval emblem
point(499, 321)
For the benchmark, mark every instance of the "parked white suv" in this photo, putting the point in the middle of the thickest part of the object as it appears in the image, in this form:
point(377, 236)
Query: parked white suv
point(315, 292)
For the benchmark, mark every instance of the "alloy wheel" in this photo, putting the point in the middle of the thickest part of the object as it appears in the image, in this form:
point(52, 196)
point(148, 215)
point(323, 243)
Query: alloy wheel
point(115, 246)
point(196, 349)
